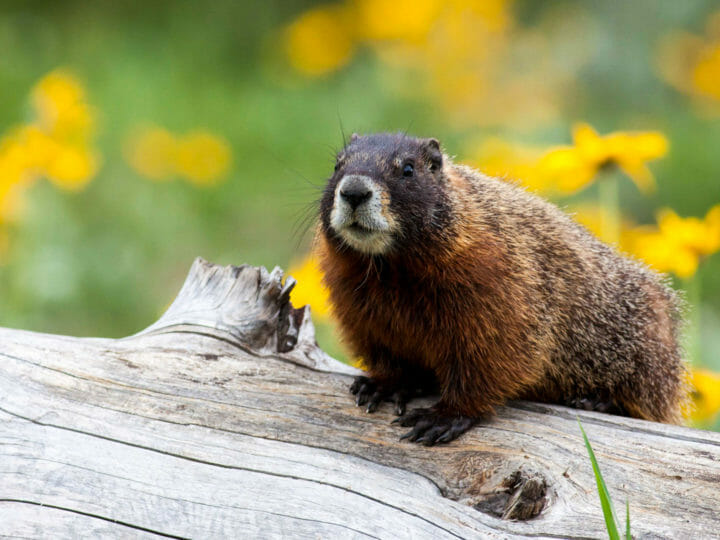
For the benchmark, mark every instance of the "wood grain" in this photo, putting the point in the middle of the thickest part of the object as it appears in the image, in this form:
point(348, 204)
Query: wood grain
point(212, 423)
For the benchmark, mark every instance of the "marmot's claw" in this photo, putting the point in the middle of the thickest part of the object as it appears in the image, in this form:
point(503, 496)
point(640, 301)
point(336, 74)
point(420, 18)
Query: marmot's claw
point(370, 392)
point(411, 418)
point(374, 402)
point(363, 388)
point(431, 426)
point(401, 399)
point(358, 383)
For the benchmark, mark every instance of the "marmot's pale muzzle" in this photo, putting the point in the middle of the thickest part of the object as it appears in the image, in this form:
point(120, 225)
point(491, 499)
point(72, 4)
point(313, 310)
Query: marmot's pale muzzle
point(358, 214)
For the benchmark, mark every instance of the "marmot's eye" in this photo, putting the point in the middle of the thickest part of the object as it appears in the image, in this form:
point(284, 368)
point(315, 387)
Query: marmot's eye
point(408, 170)
point(337, 166)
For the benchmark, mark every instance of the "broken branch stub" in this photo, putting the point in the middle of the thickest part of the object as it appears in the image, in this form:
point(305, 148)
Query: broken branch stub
point(252, 307)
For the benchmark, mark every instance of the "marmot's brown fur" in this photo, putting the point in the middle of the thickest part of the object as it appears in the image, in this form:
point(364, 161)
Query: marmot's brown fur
point(444, 279)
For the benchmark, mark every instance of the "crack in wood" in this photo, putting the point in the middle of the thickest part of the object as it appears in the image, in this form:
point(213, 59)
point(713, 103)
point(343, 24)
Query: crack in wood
point(232, 467)
point(95, 516)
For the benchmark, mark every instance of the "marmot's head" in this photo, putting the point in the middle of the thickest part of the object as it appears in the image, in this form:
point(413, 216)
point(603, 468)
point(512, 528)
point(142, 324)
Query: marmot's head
point(386, 192)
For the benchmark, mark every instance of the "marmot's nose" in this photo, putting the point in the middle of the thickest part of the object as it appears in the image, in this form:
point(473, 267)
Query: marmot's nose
point(355, 191)
point(355, 197)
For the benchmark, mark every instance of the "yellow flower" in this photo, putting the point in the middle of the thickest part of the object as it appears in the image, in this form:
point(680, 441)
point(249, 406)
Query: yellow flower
point(71, 167)
point(678, 244)
point(310, 289)
point(15, 177)
point(10, 201)
point(647, 244)
point(572, 168)
point(201, 157)
point(59, 141)
point(36, 146)
point(431, 34)
point(55, 144)
point(706, 395)
point(593, 218)
point(464, 54)
point(408, 20)
point(62, 112)
point(14, 161)
point(359, 363)
point(511, 161)
point(705, 75)
point(495, 14)
point(36, 153)
point(702, 236)
point(152, 153)
point(320, 41)
point(55, 94)
point(676, 55)
point(567, 169)
point(692, 63)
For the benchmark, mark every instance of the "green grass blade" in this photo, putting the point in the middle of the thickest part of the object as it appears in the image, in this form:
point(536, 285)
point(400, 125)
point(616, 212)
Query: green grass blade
point(605, 501)
point(628, 536)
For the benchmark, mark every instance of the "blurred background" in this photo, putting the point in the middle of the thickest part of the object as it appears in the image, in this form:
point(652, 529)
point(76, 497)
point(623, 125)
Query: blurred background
point(137, 136)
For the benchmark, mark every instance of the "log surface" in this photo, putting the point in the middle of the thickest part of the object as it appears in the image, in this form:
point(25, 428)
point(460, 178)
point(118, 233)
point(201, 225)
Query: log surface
point(224, 419)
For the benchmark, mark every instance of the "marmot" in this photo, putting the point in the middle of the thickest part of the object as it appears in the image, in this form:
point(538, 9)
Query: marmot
point(446, 280)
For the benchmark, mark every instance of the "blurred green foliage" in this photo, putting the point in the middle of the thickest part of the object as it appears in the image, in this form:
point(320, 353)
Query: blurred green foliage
point(107, 260)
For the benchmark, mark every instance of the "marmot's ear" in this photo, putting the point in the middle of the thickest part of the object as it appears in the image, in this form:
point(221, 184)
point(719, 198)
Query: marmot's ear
point(434, 154)
point(354, 137)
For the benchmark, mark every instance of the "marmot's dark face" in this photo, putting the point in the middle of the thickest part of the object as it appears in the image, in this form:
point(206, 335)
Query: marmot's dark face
point(386, 192)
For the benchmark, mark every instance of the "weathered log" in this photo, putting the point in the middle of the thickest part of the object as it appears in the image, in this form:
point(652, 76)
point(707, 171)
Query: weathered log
point(224, 419)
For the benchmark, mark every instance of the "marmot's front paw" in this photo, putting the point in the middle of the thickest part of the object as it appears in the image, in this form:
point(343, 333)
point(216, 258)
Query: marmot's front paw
point(433, 426)
point(374, 392)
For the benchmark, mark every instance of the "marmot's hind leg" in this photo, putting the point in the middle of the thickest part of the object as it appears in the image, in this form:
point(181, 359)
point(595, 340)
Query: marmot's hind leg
point(598, 404)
